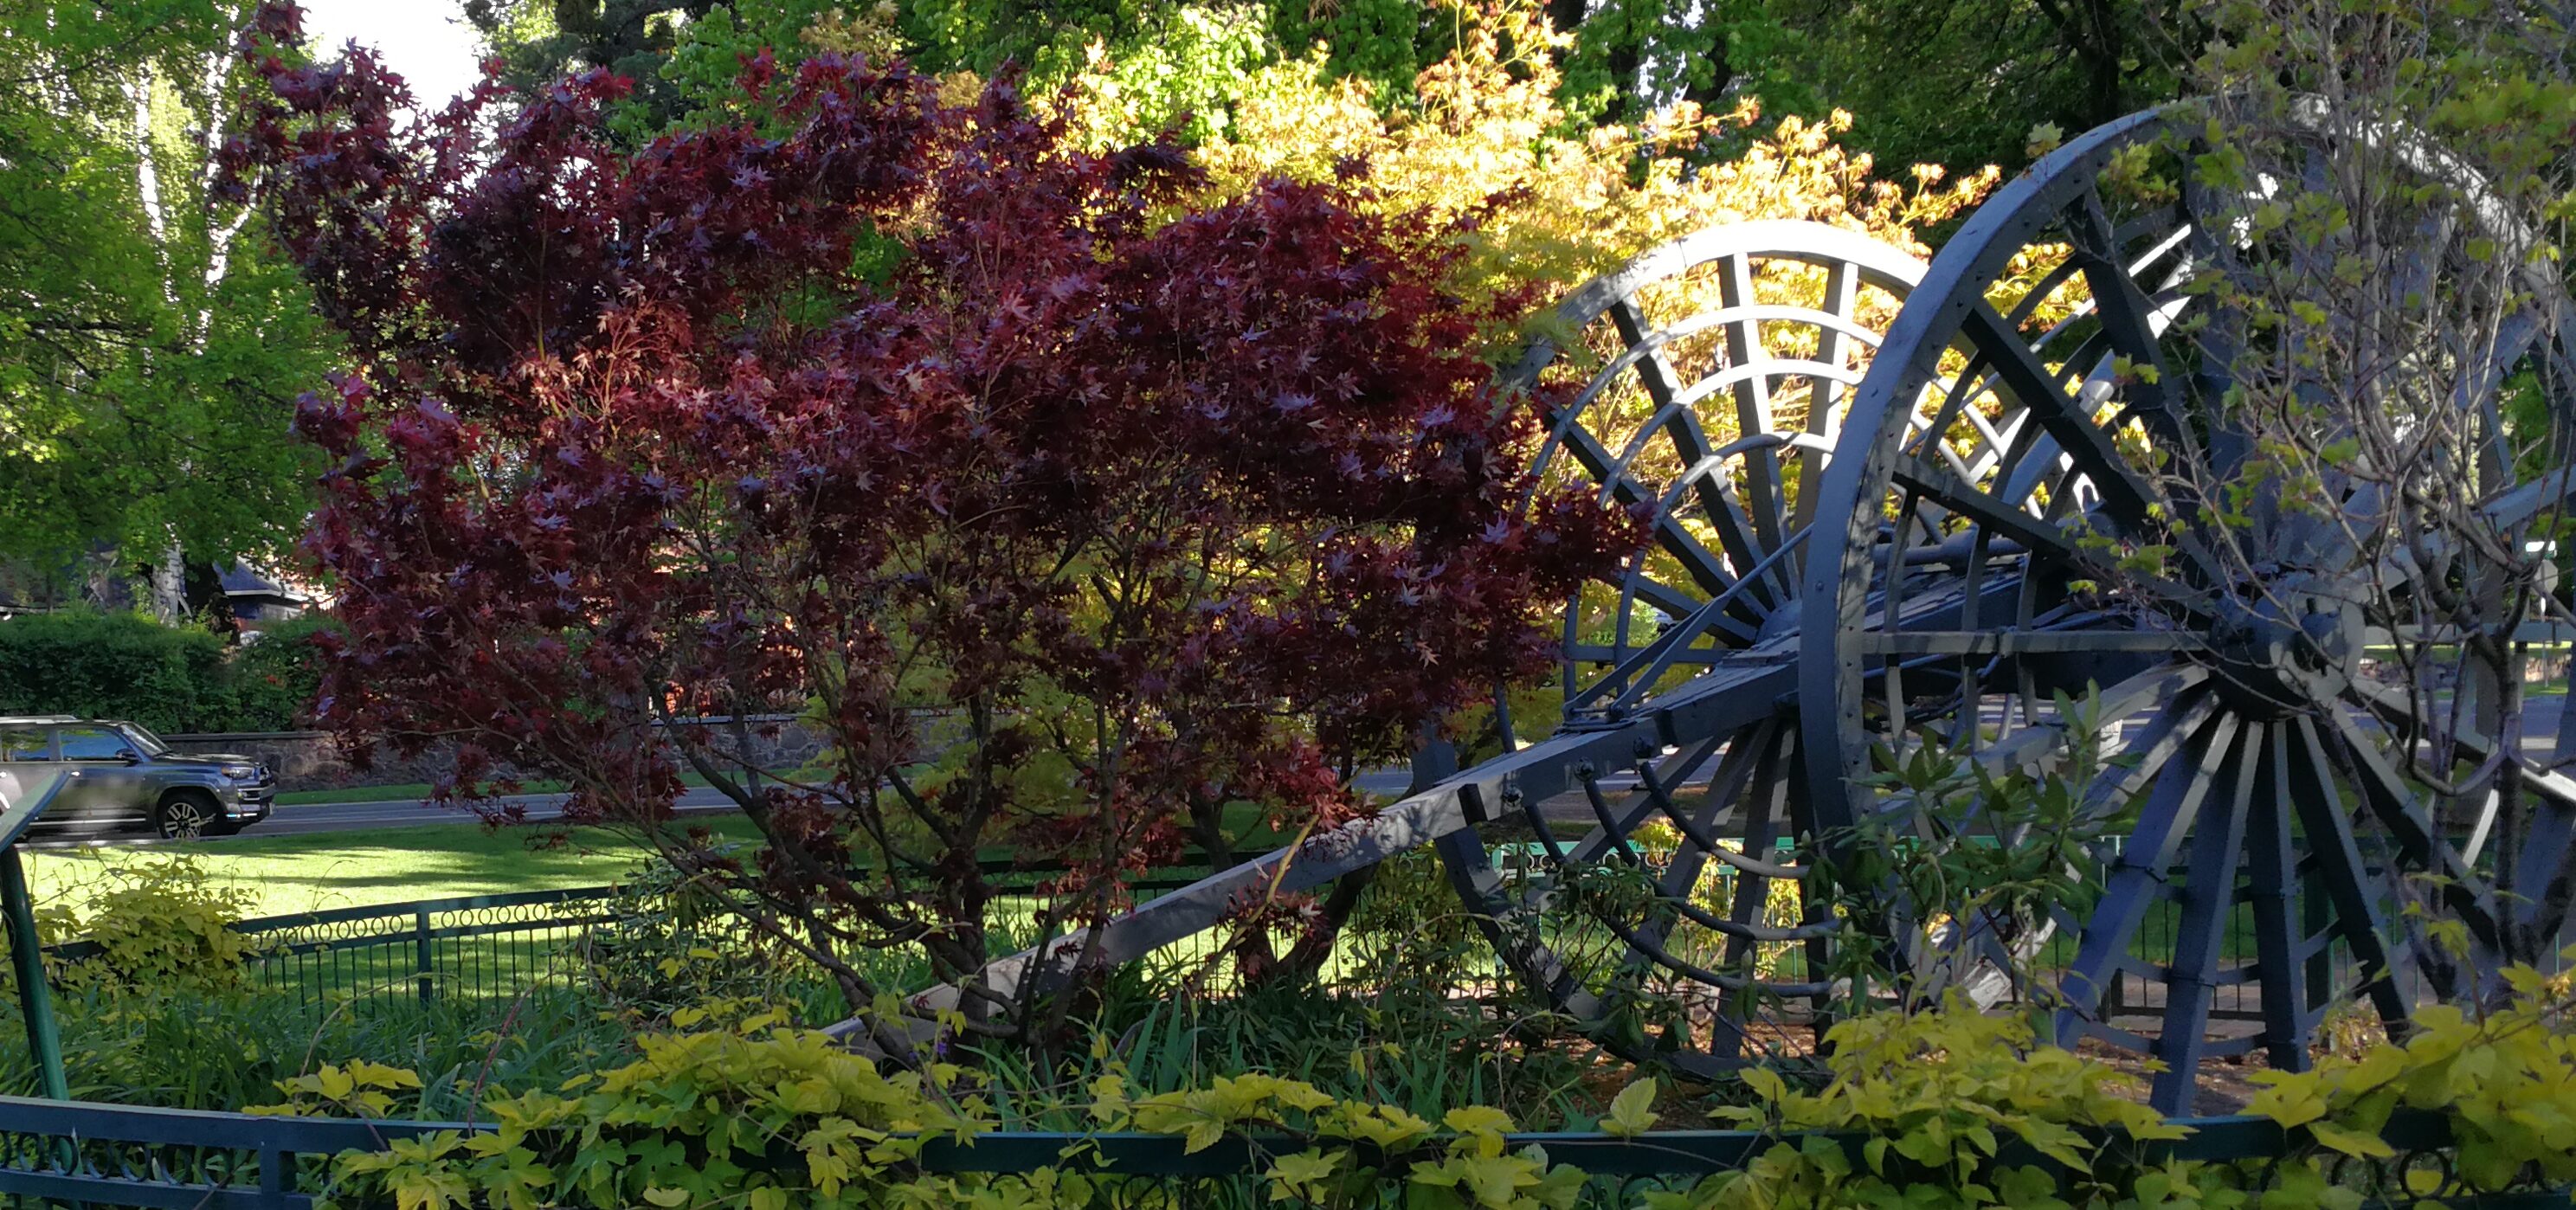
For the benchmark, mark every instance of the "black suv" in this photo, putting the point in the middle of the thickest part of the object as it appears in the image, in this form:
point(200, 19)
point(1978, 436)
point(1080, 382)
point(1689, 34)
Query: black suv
point(121, 778)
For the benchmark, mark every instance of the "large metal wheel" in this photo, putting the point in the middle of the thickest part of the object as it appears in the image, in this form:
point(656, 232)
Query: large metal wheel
point(1661, 903)
point(2029, 502)
point(1703, 384)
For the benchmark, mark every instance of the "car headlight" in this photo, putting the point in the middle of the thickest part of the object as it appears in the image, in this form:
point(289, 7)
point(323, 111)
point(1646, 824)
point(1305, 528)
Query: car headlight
point(241, 772)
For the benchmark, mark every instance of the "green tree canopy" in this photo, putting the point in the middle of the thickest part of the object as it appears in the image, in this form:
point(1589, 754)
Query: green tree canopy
point(150, 349)
point(1929, 81)
point(1168, 62)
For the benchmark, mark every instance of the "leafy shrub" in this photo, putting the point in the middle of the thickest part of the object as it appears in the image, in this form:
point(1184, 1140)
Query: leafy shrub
point(671, 946)
point(690, 1123)
point(1372, 1036)
point(112, 665)
point(1410, 930)
point(1939, 1109)
point(230, 1049)
point(2501, 1078)
point(1227, 577)
point(274, 679)
point(1554, 202)
point(168, 678)
point(162, 927)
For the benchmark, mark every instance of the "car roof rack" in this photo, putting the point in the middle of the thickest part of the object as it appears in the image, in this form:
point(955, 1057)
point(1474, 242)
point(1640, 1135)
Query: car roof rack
point(23, 719)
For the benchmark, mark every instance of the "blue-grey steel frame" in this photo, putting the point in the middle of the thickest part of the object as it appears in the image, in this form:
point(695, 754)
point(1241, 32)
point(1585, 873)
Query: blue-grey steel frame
point(2226, 775)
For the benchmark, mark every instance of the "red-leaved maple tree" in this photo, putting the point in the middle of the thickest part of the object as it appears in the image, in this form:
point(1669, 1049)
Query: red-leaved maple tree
point(1068, 510)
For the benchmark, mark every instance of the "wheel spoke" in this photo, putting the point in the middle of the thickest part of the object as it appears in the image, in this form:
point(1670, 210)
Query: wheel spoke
point(1640, 673)
point(1671, 600)
point(2130, 322)
point(1618, 823)
point(2208, 897)
point(1705, 567)
point(2272, 860)
point(2354, 891)
point(1767, 784)
point(2166, 688)
point(2517, 507)
point(2138, 875)
point(1739, 537)
point(1745, 349)
point(1752, 894)
point(1940, 486)
point(1991, 443)
point(1842, 295)
point(2150, 750)
point(2035, 387)
point(2384, 790)
point(1656, 373)
point(2042, 537)
point(2540, 876)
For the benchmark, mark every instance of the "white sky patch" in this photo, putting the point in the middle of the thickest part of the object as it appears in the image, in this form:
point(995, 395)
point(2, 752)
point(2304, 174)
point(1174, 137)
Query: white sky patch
point(427, 42)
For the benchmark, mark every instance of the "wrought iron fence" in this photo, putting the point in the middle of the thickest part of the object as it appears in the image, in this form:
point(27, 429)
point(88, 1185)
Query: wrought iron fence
point(57, 1153)
point(473, 946)
point(484, 945)
point(54, 1154)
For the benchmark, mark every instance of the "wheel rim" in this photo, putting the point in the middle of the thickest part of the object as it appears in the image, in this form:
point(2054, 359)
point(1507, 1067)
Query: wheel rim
point(1718, 424)
point(2236, 666)
point(184, 818)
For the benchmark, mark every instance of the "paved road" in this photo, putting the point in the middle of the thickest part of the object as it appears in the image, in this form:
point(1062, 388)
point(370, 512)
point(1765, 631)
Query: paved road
point(372, 816)
point(367, 816)
point(361, 816)
point(2540, 726)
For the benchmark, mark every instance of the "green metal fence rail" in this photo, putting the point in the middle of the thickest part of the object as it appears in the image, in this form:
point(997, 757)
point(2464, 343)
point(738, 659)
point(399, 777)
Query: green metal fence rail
point(76, 1152)
point(472, 944)
point(469, 945)
point(497, 946)
point(57, 1153)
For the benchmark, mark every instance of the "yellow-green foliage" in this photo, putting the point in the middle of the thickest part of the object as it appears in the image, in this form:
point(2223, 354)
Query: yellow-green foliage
point(1937, 1096)
point(2506, 1081)
point(1488, 137)
point(1928, 1109)
point(159, 926)
point(689, 1123)
point(356, 1089)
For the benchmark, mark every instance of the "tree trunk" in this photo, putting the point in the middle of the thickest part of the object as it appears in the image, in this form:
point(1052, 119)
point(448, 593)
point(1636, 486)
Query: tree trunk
point(170, 585)
point(103, 583)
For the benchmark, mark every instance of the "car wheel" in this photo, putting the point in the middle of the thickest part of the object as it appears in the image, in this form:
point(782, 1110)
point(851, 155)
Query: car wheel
point(185, 815)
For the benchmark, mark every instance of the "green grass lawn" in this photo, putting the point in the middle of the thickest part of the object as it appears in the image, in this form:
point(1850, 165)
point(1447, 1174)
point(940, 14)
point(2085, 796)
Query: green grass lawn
point(309, 872)
point(405, 792)
point(343, 869)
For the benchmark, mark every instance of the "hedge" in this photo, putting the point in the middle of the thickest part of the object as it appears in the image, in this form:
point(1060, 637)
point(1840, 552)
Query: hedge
point(170, 678)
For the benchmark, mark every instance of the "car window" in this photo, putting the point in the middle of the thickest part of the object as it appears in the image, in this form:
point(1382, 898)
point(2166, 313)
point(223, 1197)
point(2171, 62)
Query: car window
point(90, 743)
point(25, 743)
point(143, 740)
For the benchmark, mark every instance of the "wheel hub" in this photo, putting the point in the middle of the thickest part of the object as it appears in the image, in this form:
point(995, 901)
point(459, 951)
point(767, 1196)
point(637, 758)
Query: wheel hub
point(2284, 646)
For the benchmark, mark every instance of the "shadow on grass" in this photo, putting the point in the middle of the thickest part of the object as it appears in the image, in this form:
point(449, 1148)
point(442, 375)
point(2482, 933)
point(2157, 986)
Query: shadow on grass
point(284, 874)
